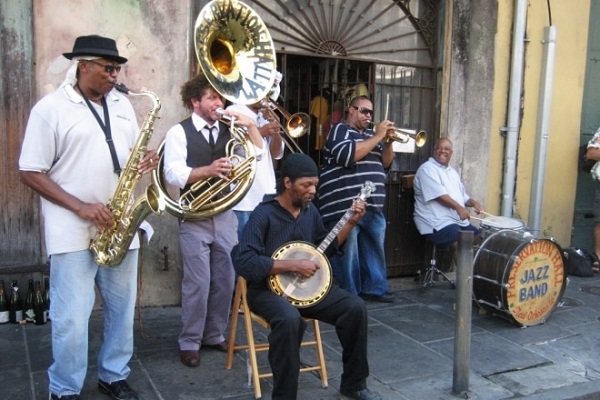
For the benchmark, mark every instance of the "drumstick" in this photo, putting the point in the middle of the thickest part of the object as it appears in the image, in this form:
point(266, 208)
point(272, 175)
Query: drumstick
point(487, 213)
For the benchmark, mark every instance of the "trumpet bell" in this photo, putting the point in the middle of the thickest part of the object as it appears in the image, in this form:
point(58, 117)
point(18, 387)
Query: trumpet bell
point(235, 51)
point(420, 139)
point(404, 135)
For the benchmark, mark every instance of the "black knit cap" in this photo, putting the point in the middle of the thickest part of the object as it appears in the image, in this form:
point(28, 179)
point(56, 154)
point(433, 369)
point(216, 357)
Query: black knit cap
point(298, 165)
point(98, 46)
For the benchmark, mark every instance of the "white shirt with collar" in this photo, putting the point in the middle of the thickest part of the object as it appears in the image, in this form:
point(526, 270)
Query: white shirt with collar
point(64, 140)
point(433, 180)
point(176, 171)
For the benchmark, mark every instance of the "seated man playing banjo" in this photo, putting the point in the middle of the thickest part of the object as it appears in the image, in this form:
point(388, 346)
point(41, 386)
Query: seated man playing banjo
point(290, 219)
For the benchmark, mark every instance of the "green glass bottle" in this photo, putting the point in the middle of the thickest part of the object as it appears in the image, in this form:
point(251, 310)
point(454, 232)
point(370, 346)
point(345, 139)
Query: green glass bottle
point(4, 318)
point(15, 309)
point(28, 306)
point(47, 298)
point(38, 305)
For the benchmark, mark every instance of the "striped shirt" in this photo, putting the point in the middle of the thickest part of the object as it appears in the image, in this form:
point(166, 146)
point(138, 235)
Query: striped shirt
point(342, 178)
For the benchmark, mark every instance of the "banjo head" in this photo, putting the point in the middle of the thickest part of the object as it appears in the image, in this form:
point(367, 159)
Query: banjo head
point(300, 291)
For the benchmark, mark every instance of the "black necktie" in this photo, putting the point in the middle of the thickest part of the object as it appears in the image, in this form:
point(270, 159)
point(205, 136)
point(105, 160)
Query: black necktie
point(211, 139)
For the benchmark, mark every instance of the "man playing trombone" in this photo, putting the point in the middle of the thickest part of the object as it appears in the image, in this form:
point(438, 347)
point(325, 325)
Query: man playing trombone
point(273, 149)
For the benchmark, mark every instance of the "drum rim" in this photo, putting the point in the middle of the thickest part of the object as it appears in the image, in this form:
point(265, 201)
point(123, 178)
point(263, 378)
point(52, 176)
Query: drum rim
point(516, 223)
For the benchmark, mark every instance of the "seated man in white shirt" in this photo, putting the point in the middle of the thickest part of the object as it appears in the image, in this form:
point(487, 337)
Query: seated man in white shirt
point(441, 200)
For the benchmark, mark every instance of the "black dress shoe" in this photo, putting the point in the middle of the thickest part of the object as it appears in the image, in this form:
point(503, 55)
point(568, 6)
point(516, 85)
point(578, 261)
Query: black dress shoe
point(189, 358)
point(384, 298)
point(219, 346)
point(118, 390)
point(364, 394)
point(65, 397)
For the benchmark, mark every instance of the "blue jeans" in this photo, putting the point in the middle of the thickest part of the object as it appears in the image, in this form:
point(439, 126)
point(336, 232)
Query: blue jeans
point(362, 269)
point(73, 277)
point(242, 217)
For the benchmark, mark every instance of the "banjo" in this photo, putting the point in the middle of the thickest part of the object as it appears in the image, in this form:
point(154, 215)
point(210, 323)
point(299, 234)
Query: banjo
point(305, 292)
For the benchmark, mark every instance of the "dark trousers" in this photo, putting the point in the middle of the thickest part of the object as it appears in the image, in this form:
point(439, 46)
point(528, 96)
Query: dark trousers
point(339, 308)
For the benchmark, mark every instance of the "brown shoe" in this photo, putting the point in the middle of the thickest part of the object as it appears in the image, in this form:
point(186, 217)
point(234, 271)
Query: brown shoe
point(190, 358)
point(219, 346)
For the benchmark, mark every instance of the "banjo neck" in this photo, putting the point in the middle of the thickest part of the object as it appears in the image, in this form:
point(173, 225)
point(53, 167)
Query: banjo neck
point(334, 232)
point(365, 192)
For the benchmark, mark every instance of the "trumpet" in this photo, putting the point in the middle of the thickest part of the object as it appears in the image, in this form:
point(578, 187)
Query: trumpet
point(403, 135)
point(296, 125)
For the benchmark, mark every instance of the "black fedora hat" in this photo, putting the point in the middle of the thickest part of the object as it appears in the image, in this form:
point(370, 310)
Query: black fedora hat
point(94, 45)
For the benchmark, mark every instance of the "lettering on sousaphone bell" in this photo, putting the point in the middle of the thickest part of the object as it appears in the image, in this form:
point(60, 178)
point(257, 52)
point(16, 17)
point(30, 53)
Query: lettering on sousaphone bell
point(235, 51)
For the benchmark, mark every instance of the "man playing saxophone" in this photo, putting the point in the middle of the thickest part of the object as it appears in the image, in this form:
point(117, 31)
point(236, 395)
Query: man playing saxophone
point(66, 160)
point(195, 150)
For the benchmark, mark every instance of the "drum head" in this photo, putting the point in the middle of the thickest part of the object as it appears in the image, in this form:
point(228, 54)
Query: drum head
point(519, 277)
point(501, 222)
point(301, 291)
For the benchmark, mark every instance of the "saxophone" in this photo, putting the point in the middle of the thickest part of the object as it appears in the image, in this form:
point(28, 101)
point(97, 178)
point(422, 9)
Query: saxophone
point(110, 246)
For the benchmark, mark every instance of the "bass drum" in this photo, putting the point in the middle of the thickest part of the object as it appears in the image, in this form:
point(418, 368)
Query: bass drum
point(301, 292)
point(519, 277)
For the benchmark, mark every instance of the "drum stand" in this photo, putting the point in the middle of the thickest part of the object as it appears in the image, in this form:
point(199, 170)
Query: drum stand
point(428, 279)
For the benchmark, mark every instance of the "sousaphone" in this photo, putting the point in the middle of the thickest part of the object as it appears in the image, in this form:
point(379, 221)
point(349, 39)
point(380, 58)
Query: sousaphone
point(236, 54)
point(305, 292)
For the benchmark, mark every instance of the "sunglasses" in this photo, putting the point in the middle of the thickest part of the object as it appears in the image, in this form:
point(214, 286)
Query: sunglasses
point(108, 68)
point(363, 110)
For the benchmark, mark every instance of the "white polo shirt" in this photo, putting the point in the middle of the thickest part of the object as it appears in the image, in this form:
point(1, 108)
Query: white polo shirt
point(64, 140)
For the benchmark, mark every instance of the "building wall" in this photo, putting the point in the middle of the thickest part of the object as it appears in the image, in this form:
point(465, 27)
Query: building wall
point(156, 37)
point(571, 22)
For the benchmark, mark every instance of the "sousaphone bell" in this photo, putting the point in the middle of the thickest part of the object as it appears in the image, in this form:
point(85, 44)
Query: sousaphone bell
point(235, 51)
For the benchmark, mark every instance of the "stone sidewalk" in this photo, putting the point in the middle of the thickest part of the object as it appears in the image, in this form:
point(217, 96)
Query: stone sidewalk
point(411, 353)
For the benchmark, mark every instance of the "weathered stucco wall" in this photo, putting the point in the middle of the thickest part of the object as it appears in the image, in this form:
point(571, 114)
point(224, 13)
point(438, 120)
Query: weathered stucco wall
point(468, 89)
point(156, 37)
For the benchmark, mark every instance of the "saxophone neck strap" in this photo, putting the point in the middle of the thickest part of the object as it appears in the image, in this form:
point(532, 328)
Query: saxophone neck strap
point(105, 128)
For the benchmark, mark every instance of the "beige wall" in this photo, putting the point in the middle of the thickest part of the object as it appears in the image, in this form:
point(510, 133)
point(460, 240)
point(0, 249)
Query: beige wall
point(155, 35)
point(571, 21)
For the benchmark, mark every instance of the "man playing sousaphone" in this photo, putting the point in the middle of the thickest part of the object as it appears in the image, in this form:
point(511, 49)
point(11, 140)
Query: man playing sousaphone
point(195, 151)
point(291, 216)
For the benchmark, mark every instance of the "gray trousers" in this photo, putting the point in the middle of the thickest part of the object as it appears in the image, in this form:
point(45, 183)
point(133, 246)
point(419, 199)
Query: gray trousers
point(208, 279)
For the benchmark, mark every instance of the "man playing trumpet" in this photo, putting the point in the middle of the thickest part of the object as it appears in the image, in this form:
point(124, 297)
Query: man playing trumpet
point(354, 153)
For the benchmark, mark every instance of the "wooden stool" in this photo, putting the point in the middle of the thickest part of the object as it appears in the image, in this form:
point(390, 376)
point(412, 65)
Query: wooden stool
point(240, 306)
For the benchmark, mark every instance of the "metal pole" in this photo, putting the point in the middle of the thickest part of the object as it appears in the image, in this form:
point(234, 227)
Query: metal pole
point(514, 106)
point(462, 336)
point(543, 131)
